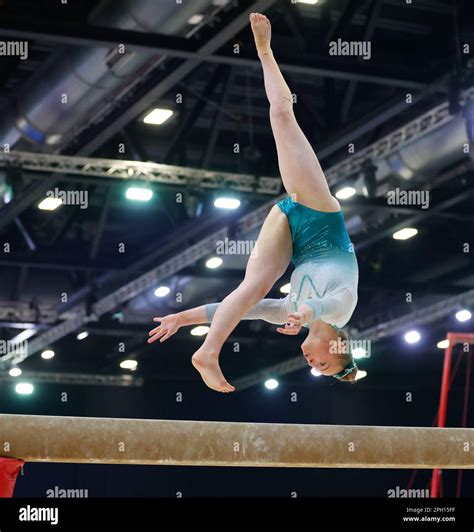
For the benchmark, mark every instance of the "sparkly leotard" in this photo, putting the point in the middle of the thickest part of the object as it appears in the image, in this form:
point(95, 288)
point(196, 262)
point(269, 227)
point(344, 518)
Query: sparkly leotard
point(326, 272)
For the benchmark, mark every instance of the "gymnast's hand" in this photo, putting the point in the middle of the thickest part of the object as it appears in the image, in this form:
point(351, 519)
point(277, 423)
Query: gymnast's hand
point(168, 326)
point(293, 325)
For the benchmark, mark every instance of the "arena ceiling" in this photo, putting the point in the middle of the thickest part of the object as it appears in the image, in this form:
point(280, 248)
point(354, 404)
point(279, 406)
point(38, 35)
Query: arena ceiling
point(414, 77)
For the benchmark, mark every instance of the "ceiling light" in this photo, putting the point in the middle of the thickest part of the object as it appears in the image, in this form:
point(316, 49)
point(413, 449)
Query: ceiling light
point(286, 288)
point(443, 344)
point(227, 203)
point(158, 116)
point(82, 335)
point(214, 262)
point(50, 204)
point(345, 193)
point(129, 364)
point(405, 234)
point(47, 354)
point(15, 372)
point(463, 315)
point(162, 291)
point(139, 194)
point(310, 2)
point(200, 330)
point(315, 372)
point(412, 337)
point(196, 19)
point(271, 384)
point(24, 388)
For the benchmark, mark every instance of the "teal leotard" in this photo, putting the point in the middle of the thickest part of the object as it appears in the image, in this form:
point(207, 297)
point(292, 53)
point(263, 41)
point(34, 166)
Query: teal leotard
point(314, 234)
point(326, 273)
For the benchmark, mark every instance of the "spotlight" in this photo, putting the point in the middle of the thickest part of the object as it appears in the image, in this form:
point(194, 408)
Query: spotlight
point(49, 204)
point(345, 193)
point(214, 263)
point(24, 388)
point(463, 315)
point(271, 384)
point(129, 364)
point(405, 233)
point(315, 372)
point(196, 19)
point(200, 330)
point(412, 337)
point(158, 116)
point(82, 335)
point(443, 344)
point(162, 291)
point(139, 194)
point(227, 203)
point(286, 288)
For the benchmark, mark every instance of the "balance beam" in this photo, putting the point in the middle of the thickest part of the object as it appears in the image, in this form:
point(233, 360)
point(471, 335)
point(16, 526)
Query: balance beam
point(202, 443)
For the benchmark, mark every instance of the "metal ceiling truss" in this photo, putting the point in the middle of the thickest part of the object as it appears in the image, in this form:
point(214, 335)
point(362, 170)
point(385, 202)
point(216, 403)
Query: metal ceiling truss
point(116, 298)
point(182, 176)
point(406, 134)
point(85, 379)
point(139, 171)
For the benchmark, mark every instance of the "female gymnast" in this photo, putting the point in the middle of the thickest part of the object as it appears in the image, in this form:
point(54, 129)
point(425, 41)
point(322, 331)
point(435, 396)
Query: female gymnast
point(307, 227)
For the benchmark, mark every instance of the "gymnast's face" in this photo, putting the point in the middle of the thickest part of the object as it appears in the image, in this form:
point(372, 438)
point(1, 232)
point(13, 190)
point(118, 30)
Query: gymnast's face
point(316, 350)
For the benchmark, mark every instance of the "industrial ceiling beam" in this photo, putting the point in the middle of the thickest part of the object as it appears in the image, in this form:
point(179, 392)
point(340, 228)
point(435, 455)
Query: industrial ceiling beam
point(163, 174)
point(84, 379)
point(79, 35)
point(18, 205)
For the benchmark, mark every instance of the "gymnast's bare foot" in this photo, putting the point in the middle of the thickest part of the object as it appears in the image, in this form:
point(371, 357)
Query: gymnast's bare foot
point(262, 32)
point(208, 366)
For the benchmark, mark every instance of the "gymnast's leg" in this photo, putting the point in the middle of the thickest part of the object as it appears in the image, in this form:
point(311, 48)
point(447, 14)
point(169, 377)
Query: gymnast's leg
point(265, 266)
point(300, 170)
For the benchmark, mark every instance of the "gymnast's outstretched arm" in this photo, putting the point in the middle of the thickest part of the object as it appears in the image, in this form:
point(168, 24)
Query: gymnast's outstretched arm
point(277, 311)
point(270, 310)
